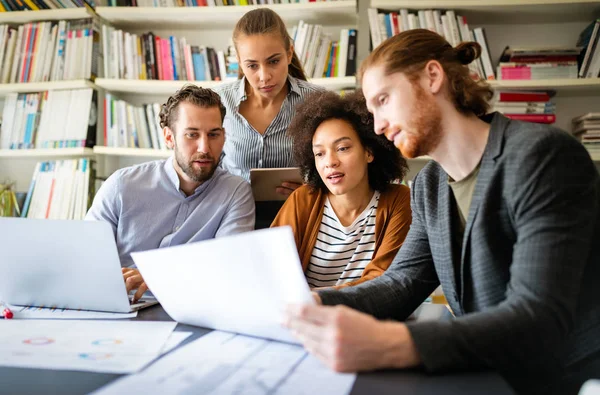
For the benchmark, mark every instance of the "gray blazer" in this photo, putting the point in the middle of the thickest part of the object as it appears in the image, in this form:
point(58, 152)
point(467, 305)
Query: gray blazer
point(522, 282)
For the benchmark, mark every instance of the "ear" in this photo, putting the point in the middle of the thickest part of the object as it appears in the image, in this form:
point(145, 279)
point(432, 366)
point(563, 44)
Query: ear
point(434, 76)
point(290, 53)
point(370, 157)
point(169, 136)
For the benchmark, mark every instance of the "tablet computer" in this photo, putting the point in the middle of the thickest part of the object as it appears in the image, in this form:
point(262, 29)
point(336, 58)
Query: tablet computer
point(265, 181)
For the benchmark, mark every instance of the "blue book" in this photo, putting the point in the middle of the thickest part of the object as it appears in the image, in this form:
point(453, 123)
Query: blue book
point(199, 69)
point(173, 57)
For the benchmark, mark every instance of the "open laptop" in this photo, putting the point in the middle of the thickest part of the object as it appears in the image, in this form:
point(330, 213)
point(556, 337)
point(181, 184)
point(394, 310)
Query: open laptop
point(62, 264)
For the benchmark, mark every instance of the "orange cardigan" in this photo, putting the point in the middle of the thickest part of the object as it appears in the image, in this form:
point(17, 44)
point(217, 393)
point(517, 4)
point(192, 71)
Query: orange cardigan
point(303, 211)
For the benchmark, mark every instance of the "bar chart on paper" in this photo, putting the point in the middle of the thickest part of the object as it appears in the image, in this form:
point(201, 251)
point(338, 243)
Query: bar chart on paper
point(224, 363)
point(97, 346)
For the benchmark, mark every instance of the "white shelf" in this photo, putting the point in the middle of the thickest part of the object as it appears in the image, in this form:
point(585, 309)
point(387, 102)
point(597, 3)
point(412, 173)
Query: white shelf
point(28, 87)
point(566, 86)
point(505, 11)
point(595, 154)
point(20, 17)
point(340, 12)
point(46, 152)
point(132, 152)
point(158, 87)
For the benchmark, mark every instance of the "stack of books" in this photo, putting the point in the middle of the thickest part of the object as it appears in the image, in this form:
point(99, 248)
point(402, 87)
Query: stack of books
point(538, 63)
point(128, 126)
point(60, 189)
point(151, 57)
point(587, 128)
point(320, 55)
point(525, 106)
point(50, 119)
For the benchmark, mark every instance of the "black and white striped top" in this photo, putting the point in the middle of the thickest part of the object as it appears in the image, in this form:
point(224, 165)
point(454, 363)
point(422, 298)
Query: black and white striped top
point(341, 253)
point(245, 148)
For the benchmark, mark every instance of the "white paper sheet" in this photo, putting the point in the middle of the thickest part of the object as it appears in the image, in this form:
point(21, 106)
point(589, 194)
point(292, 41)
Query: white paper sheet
point(97, 346)
point(30, 312)
point(224, 363)
point(259, 274)
point(174, 340)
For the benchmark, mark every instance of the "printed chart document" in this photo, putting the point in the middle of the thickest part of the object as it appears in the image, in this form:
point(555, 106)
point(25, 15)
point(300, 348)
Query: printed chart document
point(31, 312)
point(259, 274)
point(224, 363)
point(96, 346)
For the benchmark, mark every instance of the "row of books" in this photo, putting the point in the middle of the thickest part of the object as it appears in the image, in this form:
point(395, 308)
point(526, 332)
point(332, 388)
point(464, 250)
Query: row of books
point(36, 5)
point(451, 26)
point(538, 63)
point(587, 128)
point(129, 126)
point(49, 51)
point(50, 119)
point(150, 57)
point(320, 55)
point(60, 189)
point(194, 3)
point(533, 107)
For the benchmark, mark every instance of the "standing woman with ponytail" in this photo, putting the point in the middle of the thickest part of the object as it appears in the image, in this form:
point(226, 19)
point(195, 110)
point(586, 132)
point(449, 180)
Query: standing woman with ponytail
point(261, 104)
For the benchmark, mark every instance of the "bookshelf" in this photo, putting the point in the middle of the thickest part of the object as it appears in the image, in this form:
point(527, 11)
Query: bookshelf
point(132, 152)
point(29, 87)
point(565, 86)
point(339, 12)
point(20, 17)
point(47, 153)
point(159, 87)
point(505, 11)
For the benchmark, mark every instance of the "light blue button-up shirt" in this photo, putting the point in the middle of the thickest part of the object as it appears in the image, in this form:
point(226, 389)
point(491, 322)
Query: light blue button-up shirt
point(147, 210)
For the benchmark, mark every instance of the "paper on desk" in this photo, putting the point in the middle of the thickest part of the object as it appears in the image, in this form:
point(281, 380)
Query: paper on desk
point(97, 346)
point(590, 387)
point(174, 340)
point(31, 312)
point(257, 275)
point(224, 363)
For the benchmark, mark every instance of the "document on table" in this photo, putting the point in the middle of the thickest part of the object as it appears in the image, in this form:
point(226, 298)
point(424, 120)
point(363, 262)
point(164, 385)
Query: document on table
point(32, 312)
point(174, 340)
point(224, 363)
point(96, 346)
point(259, 275)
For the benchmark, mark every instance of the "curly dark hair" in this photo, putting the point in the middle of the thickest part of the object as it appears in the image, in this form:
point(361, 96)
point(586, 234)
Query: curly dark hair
point(193, 94)
point(388, 164)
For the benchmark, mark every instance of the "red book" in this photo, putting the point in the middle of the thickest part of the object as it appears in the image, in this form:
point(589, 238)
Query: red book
point(535, 118)
point(524, 96)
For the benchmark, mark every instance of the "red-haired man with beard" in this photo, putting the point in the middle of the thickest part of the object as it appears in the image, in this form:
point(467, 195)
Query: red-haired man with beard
point(506, 218)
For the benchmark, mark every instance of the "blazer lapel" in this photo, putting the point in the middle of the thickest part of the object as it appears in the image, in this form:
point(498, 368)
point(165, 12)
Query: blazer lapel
point(492, 150)
point(447, 265)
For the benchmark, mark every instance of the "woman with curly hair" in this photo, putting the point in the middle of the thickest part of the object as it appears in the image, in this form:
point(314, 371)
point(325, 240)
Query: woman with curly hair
point(350, 219)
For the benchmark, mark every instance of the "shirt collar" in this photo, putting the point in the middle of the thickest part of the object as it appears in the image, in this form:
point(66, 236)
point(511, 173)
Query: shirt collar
point(241, 88)
point(174, 177)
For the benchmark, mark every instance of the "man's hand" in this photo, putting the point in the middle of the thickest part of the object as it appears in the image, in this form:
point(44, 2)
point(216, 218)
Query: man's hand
point(286, 188)
point(349, 341)
point(133, 280)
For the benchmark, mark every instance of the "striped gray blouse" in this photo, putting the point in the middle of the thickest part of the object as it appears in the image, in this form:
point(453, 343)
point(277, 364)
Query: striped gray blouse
point(245, 148)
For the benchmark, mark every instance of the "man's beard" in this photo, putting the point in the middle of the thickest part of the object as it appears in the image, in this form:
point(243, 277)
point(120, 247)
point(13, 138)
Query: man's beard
point(425, 131)
point(199, 175)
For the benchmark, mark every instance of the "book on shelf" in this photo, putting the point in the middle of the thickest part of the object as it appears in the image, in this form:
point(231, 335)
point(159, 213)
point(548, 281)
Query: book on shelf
point(525, 106)
point(193, 3)
point(50, 119)
point(587, 129)
point(589, 59)
point(49, 51)
point(128, 126)
point(538, 63)
point(151, 57)
point(60, 189)
point(320, 55)
point(454, 28)
point(37, 5)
